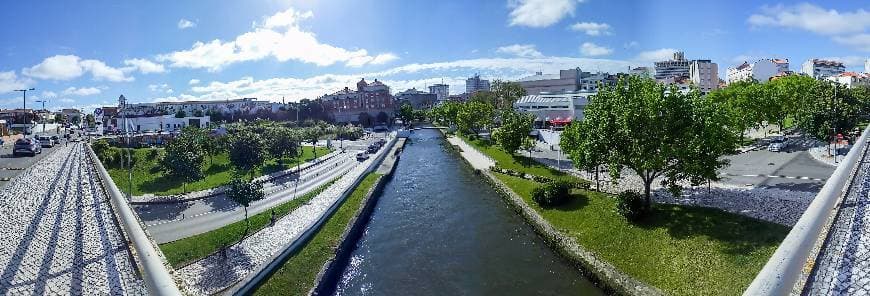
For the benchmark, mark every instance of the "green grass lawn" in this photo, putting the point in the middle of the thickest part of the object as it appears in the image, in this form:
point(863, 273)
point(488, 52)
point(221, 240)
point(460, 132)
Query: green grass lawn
point(297, 275)
point(515, 162)
point(187, 250)
point(149, 178)
point(679, 249)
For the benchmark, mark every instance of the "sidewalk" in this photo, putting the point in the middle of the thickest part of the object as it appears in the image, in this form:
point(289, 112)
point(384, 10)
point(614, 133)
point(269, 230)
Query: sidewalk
point(477, 159)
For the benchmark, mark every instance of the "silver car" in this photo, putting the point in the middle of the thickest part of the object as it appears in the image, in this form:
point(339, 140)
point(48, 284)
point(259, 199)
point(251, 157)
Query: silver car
point(777, 144)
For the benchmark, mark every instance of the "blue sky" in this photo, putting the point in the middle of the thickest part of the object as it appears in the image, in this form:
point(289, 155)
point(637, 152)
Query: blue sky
point(87, 53)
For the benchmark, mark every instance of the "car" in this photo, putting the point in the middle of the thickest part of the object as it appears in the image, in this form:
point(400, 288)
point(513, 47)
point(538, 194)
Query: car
point(26, 146)
point(362, 156)
point(45, 141)
point(778, 144)
point(55, 139)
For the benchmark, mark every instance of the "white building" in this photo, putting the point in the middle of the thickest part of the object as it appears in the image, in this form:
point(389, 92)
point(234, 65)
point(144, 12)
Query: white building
point(676, 67)
point(441, 91)
point(867, 66)
point(645, 72)
point(570, 80)
point(475, 84)
point(820, 69)
point(163, 123)
point(704, 74)
point(761, 70)
point(851, 79)
point(244, 105)
point(554, 109)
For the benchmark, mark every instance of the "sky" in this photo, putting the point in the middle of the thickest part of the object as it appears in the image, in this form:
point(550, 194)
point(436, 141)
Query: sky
point(84, 54)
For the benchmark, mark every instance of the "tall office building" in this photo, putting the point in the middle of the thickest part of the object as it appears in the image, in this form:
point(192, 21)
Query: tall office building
point(704, 74)
point(676, 67)
point(475, 84)
point(441, 91)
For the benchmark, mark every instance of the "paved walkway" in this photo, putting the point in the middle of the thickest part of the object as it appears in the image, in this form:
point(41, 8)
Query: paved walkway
point(59, 233)
point(843, 264)
point(476, 158)
point(218, 272)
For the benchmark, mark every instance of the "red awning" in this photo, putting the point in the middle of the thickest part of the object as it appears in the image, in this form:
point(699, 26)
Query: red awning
point(561, 121)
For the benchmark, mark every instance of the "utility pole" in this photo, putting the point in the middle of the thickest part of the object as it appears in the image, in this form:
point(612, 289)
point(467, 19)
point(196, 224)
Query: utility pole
point(43, 118)
point(24, 108)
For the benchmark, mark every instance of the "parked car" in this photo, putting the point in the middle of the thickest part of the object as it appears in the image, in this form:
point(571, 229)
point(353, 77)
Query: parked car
point(45, 141)
point(777, 144)
point(26, 146)
point(56, 139)
point(362, 156)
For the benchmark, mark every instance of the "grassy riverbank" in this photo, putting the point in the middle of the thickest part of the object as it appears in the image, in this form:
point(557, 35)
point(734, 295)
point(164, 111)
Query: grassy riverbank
point(193, 248)
point(297, 275)
point(679, 249)
point(515, 162)
point(148, 177)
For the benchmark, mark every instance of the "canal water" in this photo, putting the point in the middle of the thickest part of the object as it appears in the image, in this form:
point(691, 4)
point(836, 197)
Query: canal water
point(440, 230)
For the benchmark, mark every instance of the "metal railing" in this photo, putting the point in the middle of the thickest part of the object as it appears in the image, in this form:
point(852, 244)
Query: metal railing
point(156, 275)
point(784, 269)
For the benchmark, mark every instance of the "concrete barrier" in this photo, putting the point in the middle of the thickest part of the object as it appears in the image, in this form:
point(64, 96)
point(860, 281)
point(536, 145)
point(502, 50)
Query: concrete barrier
point(154, 268)
point(782, 272)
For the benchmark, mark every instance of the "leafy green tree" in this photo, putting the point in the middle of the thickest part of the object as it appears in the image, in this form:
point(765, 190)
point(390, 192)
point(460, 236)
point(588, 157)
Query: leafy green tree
point(90, 120)
point(528, 144)
point(586, 147)
point(58, 118)
point(514, 128)
point(445, 113)
point(654, 132)
point(247, 152)
point(506, 93)
point(406, 113)
point(281, 143)
point(184, 157)
point(474, 116)
point(487, 97)
point(830, 110)
point(244, 192)
point(180, 114)
point(792, 92)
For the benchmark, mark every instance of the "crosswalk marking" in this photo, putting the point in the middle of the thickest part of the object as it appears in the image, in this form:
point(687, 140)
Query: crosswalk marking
point(774, 176)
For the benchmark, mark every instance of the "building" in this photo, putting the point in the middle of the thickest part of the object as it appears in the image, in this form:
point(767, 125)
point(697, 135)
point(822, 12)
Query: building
point(571, 80)
point(851, 79)
point(761, 70)
point(475, 84)
point(162, 123)
point(441, 91)
point(417, 99)
point(821, 69)
point(370, 103)
point(867, 66)
point(645, 72)
point(70, 114)
point(704, 74)
point(676, 67)
point(554, 109)
point(244, 105)
point(683, 84)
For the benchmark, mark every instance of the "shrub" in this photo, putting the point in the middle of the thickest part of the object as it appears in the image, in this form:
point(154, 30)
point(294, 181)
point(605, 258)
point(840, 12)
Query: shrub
point(552, 193)
point(630, 204)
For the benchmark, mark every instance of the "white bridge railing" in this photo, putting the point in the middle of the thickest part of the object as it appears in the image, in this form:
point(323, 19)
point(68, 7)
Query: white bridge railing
point(783, 270)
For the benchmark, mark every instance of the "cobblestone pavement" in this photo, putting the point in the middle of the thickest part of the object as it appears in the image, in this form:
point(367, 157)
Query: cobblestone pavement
point(219, 271)
point(843, 264)
point(59, 235)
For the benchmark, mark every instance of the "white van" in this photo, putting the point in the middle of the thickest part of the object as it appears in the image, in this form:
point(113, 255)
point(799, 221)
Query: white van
point(45, 141)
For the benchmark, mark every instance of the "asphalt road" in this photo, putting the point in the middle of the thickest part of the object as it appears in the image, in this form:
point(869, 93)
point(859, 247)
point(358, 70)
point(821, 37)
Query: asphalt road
point(170, 222)
point(11, 166)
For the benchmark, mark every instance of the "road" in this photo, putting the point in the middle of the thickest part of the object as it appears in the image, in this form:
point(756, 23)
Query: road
point(11, 166)
point(59, 232)
point(170, 222)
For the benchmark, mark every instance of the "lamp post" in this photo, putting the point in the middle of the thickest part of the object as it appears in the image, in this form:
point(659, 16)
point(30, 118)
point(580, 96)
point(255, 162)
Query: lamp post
point(43, 108)
point(24, 107)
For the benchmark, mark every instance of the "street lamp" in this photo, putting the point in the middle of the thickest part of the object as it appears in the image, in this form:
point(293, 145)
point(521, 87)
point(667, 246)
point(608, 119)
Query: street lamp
point(24, 93)
point(43, 108)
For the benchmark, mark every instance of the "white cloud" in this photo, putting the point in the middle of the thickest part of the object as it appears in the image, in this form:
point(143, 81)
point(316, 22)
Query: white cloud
point(812, 18)
point(631, 44)
point(145, 66)
point(67, 101)
point(858, 41)
point(163, 88)
point(184, 24)
point(590, 49)
point(279, 37)
point(521, 50)
point(84, 91)
point(9, 82)
point(592, 29)
point(540, 13)
point(59, 67)
point(66, 67)
point(49, 94)
point(655, 55)
point(193, 82)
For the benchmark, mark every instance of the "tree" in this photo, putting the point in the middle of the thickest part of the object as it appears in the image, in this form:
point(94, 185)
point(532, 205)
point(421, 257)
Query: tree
point(528, 144)
point(585, 152)
point(90, 120)
point(184, 157)
point(484, 97)
point(281, 143)
point(58, 118)
point(473, 116)
point(76, 119)
point(406, 112)
point(829, 110)
point(244, 192)
point(652, 131)
point(506, 93)
point(247, 152)
point(445, 113)
point(514, 128)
